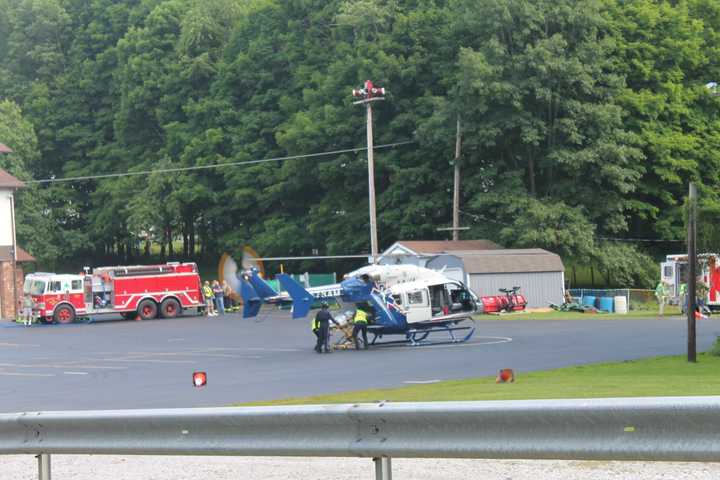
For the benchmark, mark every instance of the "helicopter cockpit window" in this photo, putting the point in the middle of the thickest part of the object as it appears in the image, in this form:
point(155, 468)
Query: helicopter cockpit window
point(459, 296)
point(461, 300)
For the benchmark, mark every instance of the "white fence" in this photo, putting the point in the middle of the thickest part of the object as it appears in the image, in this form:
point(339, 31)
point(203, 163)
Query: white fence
point(654, 429)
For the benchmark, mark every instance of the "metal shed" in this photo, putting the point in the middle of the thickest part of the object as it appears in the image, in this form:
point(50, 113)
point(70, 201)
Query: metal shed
point(540, 274)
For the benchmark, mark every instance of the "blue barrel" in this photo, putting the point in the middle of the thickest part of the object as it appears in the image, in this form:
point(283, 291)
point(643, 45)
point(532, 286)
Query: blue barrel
point(605, 304)
point(588, 300)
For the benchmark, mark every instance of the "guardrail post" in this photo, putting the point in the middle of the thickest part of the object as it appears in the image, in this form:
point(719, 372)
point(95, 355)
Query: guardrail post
point(43, 466)
point(383, 468)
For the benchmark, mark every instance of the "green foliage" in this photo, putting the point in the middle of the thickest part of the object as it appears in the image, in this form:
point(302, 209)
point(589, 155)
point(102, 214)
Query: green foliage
point(579, 120)
point(552, 226)
point(623, 264)
point(40, 211)
point(715, 349)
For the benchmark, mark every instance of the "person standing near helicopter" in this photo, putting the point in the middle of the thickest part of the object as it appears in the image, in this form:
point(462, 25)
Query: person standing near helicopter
point(360, 324)
point(321, 328)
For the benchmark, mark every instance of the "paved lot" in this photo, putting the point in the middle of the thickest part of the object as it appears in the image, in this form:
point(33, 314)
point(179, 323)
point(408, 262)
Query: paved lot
point(126, 364)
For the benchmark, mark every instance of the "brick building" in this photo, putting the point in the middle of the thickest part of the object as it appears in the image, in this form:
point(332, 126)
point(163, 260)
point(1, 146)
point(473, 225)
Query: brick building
point(11, 256)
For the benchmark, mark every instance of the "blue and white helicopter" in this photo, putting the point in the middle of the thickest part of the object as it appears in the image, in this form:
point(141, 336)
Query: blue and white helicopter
point(405, 300)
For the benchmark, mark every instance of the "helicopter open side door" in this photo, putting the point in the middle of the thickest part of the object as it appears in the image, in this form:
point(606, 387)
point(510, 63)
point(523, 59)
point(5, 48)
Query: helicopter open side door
point(417, 305)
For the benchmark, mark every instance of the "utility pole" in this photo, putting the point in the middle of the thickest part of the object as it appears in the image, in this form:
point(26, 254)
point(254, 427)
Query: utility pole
point(367, 95)
point(692, 274)
point(456, 187)
point(371, 184)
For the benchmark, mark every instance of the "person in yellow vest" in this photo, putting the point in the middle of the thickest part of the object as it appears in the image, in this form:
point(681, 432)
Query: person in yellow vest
point(360, 323)
point(315, 327)
point(209, 297)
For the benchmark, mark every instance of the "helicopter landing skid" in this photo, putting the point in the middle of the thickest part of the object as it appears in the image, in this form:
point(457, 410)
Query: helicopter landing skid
point(419, 336)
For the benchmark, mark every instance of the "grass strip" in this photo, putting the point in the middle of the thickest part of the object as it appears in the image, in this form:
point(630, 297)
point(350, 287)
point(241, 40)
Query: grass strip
point(650, 377)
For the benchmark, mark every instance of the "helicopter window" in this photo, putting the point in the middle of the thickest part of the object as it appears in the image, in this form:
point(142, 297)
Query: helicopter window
point(459, 296)
point(416, 298)
point(397, 299)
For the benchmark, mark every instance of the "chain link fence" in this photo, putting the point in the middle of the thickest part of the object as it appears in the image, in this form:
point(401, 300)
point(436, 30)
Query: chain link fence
point(636, 299)
point(642, 299)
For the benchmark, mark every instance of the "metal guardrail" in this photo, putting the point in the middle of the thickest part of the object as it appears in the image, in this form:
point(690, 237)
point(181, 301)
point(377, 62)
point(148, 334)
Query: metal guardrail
point(654, 429)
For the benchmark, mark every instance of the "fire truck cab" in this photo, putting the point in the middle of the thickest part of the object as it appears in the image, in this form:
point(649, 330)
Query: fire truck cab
point(144, 291)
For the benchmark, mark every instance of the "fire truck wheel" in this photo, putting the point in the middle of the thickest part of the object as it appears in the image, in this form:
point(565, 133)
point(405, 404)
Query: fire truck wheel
point(147, 309)
point(64, 314)
point(169, 308)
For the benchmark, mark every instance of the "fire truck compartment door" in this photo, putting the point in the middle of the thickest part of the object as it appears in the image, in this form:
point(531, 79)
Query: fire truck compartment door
point(668, 273)
point(88, 290)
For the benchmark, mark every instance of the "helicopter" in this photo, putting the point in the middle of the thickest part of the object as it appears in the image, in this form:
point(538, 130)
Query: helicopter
point(405, 300)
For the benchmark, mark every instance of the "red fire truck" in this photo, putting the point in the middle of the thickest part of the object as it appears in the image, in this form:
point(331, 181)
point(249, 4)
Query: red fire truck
point(144, 291)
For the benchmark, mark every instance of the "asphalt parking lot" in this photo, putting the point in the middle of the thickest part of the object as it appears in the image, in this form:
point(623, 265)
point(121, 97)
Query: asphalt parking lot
point(130, 364)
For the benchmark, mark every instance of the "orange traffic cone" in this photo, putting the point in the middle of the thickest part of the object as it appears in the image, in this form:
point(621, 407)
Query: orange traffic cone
point(506, 375)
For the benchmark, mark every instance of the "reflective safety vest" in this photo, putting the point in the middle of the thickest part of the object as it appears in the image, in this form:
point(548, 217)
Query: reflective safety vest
point(360, 316)
point(315, 325)
point(207, 291)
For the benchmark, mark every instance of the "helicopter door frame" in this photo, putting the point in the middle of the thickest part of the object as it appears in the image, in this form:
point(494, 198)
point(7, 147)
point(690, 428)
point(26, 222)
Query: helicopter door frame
point(417, 306)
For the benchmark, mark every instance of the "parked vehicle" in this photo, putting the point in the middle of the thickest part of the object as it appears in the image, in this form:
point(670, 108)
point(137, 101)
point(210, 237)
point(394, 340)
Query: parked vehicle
point(674, 272)
point(144, 291)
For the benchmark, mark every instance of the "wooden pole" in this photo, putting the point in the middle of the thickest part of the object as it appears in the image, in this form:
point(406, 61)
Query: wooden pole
point(371, 186)
point(692, 276)
point(456, 189)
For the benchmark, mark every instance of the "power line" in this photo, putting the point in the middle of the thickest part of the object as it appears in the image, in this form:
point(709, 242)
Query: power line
point(649, 240)
point(218, 165)
point(477, 218)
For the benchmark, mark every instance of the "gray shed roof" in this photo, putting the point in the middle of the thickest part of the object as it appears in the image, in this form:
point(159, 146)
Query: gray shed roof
point(510, 261)
point(434, 247)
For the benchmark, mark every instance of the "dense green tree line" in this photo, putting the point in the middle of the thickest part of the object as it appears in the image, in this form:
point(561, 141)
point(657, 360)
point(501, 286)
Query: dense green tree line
point(581, 121)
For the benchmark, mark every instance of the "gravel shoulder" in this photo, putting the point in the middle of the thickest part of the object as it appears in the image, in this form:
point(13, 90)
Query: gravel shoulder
point(118, 467)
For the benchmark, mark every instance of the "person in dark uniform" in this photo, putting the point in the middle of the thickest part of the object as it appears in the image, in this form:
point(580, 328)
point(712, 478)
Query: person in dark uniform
point(323, 319)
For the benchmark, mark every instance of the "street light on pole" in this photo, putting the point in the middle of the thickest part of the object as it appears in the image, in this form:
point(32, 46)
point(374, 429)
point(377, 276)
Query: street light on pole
point(367, 95)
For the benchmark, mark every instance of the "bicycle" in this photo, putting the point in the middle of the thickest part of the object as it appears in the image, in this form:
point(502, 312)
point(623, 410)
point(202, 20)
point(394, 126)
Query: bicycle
point(512, 301)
